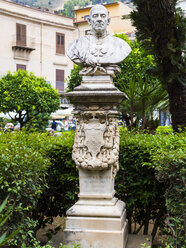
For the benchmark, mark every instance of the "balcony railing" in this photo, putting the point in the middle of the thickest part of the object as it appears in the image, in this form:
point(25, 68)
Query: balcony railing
point(23, 42)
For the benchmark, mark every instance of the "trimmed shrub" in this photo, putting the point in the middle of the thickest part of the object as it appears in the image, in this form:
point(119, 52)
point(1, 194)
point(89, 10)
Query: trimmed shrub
point(61, 178)
point(164, 129)
point(38, 173)
point(137, 185)
point(151, 182)
point(170, 161)
point(22, 169)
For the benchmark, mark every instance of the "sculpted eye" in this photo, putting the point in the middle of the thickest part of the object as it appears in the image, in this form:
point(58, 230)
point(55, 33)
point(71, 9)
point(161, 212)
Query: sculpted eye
point(95, 15)
point(103, 15)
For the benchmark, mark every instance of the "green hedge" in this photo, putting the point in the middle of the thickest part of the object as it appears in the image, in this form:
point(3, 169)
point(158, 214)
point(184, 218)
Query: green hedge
point(164, 129)
point(137, 185)
point(22, 173)
point(36, 171)
point(38, 174)
point(152, 182)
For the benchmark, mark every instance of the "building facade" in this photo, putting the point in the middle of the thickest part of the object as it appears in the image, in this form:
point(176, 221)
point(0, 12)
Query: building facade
point(35, 40)
point(117, 25)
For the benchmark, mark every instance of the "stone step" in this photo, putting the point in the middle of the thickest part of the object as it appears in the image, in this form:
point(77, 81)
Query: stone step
point(137, 241)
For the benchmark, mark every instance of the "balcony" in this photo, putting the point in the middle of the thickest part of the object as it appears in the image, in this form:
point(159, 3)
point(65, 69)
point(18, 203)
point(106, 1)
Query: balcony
point(22, 46)
point(23, 43)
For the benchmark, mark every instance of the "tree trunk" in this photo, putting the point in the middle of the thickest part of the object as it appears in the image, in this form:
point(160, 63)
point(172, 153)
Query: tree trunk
point(177, 99)
point(147, 218)
point(143, 114)
point(131, 113)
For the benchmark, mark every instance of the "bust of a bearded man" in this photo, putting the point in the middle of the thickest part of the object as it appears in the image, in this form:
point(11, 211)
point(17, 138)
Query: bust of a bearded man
point(98, 50)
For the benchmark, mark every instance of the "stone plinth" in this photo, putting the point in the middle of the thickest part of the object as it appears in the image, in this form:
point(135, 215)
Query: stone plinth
point(98, 219)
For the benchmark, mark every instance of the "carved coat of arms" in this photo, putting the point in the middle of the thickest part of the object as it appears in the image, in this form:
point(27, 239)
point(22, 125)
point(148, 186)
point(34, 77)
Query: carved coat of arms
point(96, 145)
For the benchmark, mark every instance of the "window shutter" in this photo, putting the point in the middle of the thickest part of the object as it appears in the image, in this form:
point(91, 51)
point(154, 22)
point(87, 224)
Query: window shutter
point(24, 35)
point(60, 43)
point(20, 34)
point(60, 77)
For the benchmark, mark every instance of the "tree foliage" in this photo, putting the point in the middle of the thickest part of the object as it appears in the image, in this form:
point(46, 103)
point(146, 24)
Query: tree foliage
point(139, 83)
point(74, 79)
point(161, 28)
point(27, 96)
point(69, 6)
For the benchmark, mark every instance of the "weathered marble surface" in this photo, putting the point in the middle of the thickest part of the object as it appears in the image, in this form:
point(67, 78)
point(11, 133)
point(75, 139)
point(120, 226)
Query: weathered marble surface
point(96, 145)
point(98, 219)
point(98, 50)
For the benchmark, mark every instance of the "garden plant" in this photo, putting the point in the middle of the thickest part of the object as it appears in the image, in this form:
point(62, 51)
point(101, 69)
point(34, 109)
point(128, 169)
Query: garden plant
point(38, 174)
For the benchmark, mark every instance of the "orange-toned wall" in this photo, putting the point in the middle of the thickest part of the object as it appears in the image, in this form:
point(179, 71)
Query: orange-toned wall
point(112, 9)
point(117, 25)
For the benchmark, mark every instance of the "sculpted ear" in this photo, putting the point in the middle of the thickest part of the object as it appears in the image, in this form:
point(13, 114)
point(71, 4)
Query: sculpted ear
point(88, 20)
point(108, 21)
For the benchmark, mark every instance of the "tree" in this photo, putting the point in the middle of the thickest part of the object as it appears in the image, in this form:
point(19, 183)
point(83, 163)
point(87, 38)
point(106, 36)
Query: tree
point(70, 4)
point(27, 96)
point(139, 83)
point(74, 79)
point(161, 28)
point(39, 122)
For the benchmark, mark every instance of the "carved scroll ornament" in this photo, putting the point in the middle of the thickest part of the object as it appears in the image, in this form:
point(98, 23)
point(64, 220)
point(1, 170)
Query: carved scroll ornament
point(96, 145)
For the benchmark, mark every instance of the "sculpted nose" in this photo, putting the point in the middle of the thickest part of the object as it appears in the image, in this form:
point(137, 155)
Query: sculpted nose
point(99, 18)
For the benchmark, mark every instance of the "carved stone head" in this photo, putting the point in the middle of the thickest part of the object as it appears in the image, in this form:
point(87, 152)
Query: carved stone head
point(99, 19)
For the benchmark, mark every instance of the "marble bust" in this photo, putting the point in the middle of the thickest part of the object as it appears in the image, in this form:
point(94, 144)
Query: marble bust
point(98, 50)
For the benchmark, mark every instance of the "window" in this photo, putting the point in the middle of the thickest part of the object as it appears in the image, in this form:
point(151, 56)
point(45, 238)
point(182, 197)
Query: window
point(60, 43)
point(20, 34)
point(60, 76)
point(23, 67)
point(86, 17)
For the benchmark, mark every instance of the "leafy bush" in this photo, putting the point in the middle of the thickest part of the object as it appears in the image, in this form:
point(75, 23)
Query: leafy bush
point(22, 178)
point(151, 182)
point(37, 244)
point(61, 178)
point(4, 216)
point(137, 185)
point(37, 171)
point(164, 129)
point(171, 169)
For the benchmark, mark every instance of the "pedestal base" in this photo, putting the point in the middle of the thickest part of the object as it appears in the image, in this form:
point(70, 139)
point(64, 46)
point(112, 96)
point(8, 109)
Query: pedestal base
point(105, 228)
point(97, 220)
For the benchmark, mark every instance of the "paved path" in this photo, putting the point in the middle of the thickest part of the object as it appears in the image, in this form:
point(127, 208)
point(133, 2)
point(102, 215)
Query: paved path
point(136, 241)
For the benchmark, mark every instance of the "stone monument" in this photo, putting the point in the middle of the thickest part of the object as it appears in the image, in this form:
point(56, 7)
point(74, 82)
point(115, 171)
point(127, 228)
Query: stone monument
point(98, 219)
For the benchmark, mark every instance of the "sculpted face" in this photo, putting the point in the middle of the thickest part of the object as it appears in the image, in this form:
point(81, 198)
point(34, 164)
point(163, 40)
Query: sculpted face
point(99, 18)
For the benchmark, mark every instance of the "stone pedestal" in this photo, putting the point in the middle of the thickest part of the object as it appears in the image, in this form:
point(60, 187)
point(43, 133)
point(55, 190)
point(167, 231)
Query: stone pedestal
point(98, 219)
